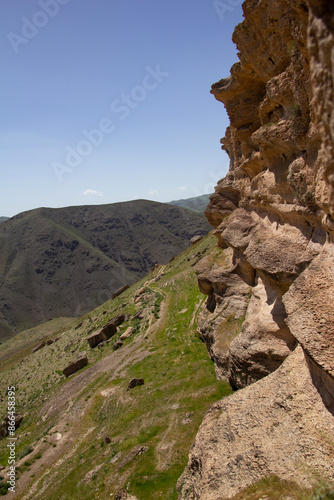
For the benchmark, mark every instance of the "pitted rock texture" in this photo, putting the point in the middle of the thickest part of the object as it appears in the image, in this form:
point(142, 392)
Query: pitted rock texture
point(273, 207)
point(226, 306)
point(273, 216)
point(278, 425)
point(321, 48)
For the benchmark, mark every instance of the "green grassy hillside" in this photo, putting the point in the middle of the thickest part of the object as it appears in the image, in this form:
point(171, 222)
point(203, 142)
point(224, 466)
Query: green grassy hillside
point(64, 451)
point(198, 203)
point(87, 436)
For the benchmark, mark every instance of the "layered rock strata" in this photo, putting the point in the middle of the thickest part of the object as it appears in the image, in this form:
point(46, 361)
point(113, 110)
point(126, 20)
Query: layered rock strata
point(272, 216)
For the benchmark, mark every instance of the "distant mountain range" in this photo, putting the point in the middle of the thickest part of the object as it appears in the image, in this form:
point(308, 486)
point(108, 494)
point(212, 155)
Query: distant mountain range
point(198, 204)
point(2, 219)
point(66, 261)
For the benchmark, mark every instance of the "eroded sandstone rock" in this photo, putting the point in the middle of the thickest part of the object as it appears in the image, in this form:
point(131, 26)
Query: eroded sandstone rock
point(278, 425)
point(128, 332)
point(270, 209)
point(106, 331)
point(119, 291)
point(76, 365)
point(228, 297)
point(321, 49)
point(273, 216)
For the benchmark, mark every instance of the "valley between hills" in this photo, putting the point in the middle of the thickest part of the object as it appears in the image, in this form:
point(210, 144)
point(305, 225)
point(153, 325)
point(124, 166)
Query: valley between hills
point(64, 262)
point(211, 377)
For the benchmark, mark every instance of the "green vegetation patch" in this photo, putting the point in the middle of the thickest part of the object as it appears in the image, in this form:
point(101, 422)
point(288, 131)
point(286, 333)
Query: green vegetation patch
point(137, 439)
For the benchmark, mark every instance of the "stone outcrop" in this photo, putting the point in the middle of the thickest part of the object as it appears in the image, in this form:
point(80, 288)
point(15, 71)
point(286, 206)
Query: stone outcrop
point(195, 239)
point(76, 365)
point(117, 345)
point(128, 332)
point(106, 331)
point(4, 425)
point(268, 321)
point(39, 346)
point(135, 382)
point(119, 292)
point(101, 335)
point(226, 306)
point(321, 46)
point(278, 425)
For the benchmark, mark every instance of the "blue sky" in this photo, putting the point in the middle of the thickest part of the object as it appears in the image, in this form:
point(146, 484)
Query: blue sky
point(109, 100)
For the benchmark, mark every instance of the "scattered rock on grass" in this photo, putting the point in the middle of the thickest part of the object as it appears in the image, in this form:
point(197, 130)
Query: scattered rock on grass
point(4, 426)
point(128, 332)
point(139, 314)
point(122, 494)
point(137, 450)
point(101, 335)
point(117, 345)
point(195, 239)
point(76, 365)
point(39, 346)
point(119, 291)
point(135, 382)
point(116, 320)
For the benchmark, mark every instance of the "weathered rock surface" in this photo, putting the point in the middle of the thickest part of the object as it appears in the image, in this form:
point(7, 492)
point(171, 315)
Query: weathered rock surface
point(101, 335)
point(39, 346)
point(228, 297)
point(106, 331)
point(272, 209)
point(264, 341)
point(135, 382)
point(76, 365)
point(273, 218)
point(117, 345)
point(119, 292)
point(321, 47)
point(122, 494)
point(278, 425)
point(128, 332)
point(195, 239)
point(4, 425)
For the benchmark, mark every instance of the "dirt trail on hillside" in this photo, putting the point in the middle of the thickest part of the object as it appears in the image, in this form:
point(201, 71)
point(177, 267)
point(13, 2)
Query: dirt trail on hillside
point(68, 439)
point(113, 363)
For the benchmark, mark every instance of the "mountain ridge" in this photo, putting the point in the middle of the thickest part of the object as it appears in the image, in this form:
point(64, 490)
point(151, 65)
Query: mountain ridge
point(197, 203)
point(66, 261)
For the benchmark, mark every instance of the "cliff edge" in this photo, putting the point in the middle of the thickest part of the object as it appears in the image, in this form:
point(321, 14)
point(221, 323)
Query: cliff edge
point(273, 216)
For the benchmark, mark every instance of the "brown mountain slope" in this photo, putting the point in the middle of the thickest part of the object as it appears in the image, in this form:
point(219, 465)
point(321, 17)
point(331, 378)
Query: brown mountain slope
point(65, 262)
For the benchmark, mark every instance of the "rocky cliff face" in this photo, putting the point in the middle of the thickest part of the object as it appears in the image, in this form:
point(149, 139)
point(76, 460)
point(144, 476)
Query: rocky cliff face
point(272, 216)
